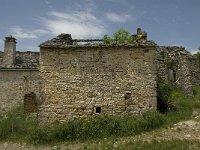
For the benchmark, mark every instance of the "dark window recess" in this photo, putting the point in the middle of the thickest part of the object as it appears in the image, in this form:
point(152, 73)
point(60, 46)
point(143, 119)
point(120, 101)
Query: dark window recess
point(98, 110)
point(30, 103)
point(127, 95)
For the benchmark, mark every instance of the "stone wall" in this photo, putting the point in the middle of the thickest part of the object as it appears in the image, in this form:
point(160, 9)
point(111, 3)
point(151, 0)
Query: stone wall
point(14, 84)
point(195, 70)
point(175, 64)
point(80, 81)
point(1, 57)
point(18, 80)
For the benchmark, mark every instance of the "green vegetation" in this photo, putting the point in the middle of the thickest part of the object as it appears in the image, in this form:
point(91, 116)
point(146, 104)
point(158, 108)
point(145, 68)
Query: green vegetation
point(16, 126)
point(98, 127)
point(198, 56)
point(165, 91)
point(122, 36)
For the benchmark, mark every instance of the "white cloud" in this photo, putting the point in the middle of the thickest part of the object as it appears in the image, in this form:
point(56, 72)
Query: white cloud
point(21, 33)
point(118, 18)
point(81, 24)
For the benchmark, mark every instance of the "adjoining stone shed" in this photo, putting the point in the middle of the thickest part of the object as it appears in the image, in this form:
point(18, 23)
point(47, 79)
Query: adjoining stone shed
point(85, 80)
point(19, 76)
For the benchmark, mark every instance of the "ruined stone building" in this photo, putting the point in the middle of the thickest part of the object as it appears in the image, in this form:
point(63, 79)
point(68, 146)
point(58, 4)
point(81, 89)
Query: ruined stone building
point(19, 77)
point(78, 80)
point(85, 80)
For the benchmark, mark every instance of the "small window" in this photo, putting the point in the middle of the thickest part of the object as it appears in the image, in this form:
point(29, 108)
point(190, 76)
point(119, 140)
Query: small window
point(98, 110)
point(127, 95)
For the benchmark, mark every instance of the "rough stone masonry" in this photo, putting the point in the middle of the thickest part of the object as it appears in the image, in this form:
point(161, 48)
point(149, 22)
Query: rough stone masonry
point(85, 80)
point(79, 81)
point(19, 76)
point(76, 80)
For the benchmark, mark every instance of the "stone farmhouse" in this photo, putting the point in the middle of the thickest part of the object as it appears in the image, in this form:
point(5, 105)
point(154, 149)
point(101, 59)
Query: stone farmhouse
point(71, 79)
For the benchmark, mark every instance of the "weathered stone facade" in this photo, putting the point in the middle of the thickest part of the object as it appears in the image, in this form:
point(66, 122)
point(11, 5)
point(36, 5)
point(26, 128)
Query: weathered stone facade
point(175, 65)
point(19, 75)
point(79, 81)
point(14, 84)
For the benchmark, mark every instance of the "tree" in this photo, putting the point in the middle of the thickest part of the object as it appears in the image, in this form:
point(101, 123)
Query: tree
point(198, 55)
point(122, 36)
point(107, 39)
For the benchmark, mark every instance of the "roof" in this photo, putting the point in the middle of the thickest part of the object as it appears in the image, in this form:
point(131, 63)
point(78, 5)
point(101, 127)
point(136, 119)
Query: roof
point(27, 59)
point(60, 40)
point(65, 40)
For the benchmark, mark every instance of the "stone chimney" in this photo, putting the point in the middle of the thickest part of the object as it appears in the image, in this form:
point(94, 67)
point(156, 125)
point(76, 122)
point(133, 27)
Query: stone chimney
point(9, 51)
point(139, 31)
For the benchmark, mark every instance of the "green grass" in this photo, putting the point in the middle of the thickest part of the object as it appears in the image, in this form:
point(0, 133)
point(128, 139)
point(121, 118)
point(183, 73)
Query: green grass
point(17, 126)
point(99, 127)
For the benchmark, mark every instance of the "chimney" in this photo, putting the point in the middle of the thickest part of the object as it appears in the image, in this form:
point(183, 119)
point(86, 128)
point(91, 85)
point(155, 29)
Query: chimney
point(139, 30)
point(9, 51)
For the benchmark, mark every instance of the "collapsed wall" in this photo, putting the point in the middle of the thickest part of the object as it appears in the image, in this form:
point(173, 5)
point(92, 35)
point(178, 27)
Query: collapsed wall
point(195, 70)
point(79, 81)
point(177, 65)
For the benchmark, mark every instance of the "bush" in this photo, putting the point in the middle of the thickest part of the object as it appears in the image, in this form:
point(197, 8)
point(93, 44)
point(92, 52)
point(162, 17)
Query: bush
point(16, 124)
point(122, 36)
point(165, 101)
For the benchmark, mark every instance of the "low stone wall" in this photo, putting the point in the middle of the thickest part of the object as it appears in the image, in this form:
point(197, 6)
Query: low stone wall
point(14, 84)
point(82, 81)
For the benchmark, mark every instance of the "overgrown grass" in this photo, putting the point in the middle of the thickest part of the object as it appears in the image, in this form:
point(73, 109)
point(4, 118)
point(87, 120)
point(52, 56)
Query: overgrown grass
point(15, 125)
point(19, 127)
point(98, 127)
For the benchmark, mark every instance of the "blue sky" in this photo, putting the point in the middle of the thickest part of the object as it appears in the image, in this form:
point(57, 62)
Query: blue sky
point(168, 22)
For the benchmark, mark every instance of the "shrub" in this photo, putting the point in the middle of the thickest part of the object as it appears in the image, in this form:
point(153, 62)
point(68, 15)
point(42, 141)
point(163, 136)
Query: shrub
point(165, 102)
point(122, 36)
point(16, 124)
